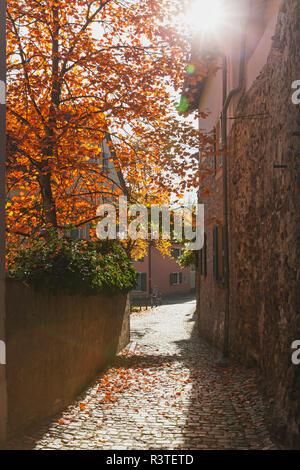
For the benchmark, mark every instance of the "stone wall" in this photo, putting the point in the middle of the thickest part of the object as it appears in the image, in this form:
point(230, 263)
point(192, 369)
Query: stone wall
point(265, 226)
point(264, 231)
point(55, 346)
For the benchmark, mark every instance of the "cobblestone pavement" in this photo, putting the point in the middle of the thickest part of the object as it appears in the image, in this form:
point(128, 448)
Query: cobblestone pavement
point(166, 393)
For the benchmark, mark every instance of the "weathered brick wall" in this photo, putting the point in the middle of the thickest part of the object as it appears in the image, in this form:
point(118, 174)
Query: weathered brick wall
point(265, 226)
point(55, 346)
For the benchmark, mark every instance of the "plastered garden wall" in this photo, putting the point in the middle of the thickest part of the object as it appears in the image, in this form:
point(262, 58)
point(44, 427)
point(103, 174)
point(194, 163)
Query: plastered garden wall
point(55, 346)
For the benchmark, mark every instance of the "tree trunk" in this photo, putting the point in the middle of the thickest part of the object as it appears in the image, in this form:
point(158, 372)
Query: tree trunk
point(48, 202)
point(49, 207)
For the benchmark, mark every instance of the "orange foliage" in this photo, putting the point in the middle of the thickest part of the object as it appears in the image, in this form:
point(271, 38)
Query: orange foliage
point(80, 71)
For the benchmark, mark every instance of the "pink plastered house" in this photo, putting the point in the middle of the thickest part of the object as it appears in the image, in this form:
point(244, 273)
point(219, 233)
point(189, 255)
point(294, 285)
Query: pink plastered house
point(156, 272)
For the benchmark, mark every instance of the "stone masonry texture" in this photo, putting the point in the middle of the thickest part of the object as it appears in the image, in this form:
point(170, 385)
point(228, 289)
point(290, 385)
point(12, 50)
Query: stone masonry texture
point(264, 231)
point(165, 392)
point(265, 226)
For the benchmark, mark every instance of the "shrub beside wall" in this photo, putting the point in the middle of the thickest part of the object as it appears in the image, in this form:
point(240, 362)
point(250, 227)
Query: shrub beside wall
point(56, 344)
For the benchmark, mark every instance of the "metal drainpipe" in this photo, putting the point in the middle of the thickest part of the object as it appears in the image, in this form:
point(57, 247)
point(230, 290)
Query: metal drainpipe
point(150, 267)
point(225, 194)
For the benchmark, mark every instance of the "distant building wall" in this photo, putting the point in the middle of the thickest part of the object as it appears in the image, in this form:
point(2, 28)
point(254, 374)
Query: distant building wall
point(161, 269)
point(260, 54)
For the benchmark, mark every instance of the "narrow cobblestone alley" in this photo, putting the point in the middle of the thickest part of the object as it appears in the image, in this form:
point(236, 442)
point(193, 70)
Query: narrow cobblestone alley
point(166, 392)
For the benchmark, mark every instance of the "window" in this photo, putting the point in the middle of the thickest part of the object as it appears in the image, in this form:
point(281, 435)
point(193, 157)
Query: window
point(81, 233)
point(203, 258)
point(140, 260)
point(176, 252)
point(218, 252)
point(214, 162)
point(217, 158)
point(105, 157)
point(141, 282)
point(74, 234)
point(175, 279)
point(105, 162)
point(84, 232)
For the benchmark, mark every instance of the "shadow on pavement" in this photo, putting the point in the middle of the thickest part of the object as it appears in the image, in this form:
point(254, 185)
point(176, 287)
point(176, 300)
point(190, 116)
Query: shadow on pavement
point(221, 408)
point(225, 409)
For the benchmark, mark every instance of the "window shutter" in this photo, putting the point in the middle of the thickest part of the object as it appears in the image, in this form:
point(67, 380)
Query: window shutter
point(205, 256)
point(223, 252)
point(138, 281)
point(221, 140)
point(180, 278)
point(215, 253)
point(197, 259)
point(143, 282)
point(75, 234)
point(171, 279)
point(214, 164)
point(200, 262)
point(87, 232)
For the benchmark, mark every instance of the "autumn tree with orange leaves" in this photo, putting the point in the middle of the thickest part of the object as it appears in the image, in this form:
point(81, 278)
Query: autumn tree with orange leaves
point(80, 71)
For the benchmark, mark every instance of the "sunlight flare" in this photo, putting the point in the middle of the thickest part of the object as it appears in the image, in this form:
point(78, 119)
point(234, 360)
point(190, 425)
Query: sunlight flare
point(205, 16)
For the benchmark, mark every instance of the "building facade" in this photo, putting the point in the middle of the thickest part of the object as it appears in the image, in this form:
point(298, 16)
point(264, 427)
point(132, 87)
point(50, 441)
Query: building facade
point(162, 273)
point(248, 279)
point(114, 182)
